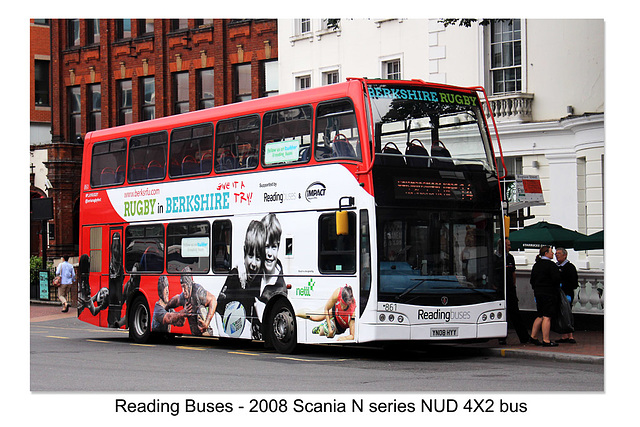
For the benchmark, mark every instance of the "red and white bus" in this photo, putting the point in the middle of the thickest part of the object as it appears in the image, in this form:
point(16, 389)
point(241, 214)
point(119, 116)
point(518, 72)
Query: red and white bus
point(361, 211)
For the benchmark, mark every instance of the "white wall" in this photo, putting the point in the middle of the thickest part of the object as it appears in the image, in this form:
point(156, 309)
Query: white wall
point(563, 65)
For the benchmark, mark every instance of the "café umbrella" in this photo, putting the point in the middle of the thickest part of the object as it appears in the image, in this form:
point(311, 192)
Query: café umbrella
point(592, 241)
point(543, 233)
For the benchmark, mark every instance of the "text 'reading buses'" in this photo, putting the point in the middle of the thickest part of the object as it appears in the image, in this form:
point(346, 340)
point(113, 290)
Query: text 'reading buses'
point(361, 211)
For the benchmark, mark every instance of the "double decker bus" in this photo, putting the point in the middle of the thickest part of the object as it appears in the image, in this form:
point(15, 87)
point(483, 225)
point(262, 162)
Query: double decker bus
point(362, 211)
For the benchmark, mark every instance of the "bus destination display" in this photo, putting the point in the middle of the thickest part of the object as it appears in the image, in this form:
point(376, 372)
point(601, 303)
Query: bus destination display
point(416, 188)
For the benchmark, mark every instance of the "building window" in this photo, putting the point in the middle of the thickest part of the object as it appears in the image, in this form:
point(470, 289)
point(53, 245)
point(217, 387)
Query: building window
point(391, 70)
point(125, 105)
point(41, 83)
point(181, 92)
point(303, 82)
point(203, 22)
point(145, 26)
point(74, 113)
point(330, 24)
point(73, 32)
point(148, 97)
point(93, 31)
point(242, 82)
point(303, 26)
point(123, 29)
point(206, 87)
point(179, 24)
point(270, 79)
point(330, 77)
point(514, 167)
point(95, 107)
point(506, 56)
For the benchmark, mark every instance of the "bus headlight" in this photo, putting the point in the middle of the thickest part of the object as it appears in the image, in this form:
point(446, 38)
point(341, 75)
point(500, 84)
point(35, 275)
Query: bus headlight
point(491, 316)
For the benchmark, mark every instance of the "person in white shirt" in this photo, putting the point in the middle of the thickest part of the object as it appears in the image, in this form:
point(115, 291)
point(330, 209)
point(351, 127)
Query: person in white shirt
point(67, 275)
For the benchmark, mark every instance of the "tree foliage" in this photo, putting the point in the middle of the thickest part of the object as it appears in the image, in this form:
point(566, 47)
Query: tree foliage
point(467, 22)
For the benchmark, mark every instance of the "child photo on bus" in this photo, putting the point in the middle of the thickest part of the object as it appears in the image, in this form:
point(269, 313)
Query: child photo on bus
point(273, 279)
point(243, 283)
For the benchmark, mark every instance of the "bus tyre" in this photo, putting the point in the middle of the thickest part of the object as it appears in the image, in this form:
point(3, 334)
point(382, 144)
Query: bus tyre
point(281, 329)
point(139, 320)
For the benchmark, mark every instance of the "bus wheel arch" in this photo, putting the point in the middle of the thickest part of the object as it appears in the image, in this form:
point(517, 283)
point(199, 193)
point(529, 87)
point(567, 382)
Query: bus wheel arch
point(280, 329)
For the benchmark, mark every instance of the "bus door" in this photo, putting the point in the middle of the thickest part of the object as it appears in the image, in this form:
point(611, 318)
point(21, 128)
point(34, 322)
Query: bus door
point(115, 276)
point(365, 260)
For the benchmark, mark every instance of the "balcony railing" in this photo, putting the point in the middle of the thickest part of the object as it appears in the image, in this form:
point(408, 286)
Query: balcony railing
point(513, 107)
point(589, 295)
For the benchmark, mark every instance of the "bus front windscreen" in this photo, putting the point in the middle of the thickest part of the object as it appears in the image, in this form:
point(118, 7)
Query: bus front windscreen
point(427, 255)
point(443, 124)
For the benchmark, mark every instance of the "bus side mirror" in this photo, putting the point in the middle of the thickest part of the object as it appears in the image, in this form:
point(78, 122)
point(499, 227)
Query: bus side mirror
point(342, 223)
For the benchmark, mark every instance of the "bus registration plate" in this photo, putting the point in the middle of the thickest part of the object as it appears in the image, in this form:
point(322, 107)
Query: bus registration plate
point(444, 332)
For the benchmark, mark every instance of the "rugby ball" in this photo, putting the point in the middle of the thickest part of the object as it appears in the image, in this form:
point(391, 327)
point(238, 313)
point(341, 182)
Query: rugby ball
point(233, 319)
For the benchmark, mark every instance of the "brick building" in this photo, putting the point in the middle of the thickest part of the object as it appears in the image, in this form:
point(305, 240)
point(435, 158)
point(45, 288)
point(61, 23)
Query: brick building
point(110, 72)
point(39, 117)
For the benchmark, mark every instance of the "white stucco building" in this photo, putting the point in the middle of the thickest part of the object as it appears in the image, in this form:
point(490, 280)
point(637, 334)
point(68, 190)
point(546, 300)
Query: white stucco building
point(544, 78)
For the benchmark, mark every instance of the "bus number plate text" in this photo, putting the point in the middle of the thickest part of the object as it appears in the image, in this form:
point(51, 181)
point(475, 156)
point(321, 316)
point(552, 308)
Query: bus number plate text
point(444, 332)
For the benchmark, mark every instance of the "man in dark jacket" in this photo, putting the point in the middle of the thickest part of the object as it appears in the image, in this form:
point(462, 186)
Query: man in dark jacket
point(568, 283)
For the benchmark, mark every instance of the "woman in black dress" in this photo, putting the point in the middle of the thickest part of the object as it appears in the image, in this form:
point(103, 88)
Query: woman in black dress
point(545, 281)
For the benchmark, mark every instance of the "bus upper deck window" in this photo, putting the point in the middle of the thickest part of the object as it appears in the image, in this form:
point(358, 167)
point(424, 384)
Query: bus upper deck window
point(286, 136)
point(337, 131)
point(147, 157)
point(237, 144)
point(108, 162)
point(191, 150)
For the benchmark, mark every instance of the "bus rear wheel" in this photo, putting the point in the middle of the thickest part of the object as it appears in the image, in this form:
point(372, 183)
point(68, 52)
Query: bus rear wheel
point(139, 320)
point(282, 327)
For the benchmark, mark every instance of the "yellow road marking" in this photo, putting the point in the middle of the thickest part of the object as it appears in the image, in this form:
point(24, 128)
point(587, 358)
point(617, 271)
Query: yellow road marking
point(297, 359)
point(143, 345)
point(106, 342)
point(243, 353)
point(61, 338)
point(186, 347)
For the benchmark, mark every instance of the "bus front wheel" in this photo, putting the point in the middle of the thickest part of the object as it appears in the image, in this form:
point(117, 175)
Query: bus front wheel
point(139, 320)
point(282, 327)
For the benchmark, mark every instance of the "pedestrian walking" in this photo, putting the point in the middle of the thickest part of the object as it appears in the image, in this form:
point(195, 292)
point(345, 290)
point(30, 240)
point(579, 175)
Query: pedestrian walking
point(67, 275)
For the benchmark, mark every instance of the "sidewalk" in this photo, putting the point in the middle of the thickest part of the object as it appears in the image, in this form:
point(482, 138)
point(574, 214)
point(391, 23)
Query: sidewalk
point(41, 311)
point(589, 347)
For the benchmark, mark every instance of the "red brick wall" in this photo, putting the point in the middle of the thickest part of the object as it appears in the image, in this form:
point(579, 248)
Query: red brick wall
point(39, 49)
point(158, 56)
